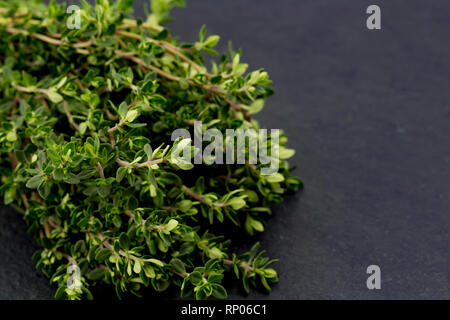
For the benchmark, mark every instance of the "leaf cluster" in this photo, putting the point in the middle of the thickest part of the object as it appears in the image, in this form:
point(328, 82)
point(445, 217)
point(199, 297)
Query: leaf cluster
point(86, 117)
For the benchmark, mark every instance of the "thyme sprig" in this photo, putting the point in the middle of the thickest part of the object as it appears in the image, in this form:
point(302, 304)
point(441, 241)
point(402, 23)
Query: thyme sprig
point(86, 117)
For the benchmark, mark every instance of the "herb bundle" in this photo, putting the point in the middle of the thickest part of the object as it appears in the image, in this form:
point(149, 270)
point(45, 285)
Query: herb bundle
point(86, 117)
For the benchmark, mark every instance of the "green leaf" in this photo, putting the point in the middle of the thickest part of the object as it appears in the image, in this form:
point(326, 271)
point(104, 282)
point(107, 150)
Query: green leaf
point(264, 283)
point(131, 115)
point(184, 205)
point(96, 274)
point(171, 225)
point(120, 174)
point(102, 254)
point(152, 178)
point(124, 241)
point(61, 83)
point(123, 109)
point(215, 253)
point(11, 136)
point(200, 294)
point(257, 225)
point(148, 151)
point(156, 261)
point(237, 203)
point(256, 106)
point(275, 178)
point(58, 174)
point(149, 271)
point(202, 33)
point(178, 265)
point(80, 246)
point(36, 181)
point(183, 165)
point(54, 96)
point(184, 84)
point(87, 293)
point(286, 153)
point(219, 292)
point(211, 41)
point(196, 278)
point(137, 267)
point(60, 293)
point(270, 273)
point(245, 283)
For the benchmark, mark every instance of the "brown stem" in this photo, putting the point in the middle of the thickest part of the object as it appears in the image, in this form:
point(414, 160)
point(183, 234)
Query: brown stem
point(129, 23)
point(110, 115)
point(100, 171)
point(200, 198)
point(17, 100)
point(131, 56)
point(69, 258)
point(69, 116)
point(35, 196)
point(184, 275)
point(77, 81)
point(110, 247)
point(47, 230)
point(128, 213)
point(14, 161)
point(42, 98)
point(168, 47)
point(22, 89)
point(237, 107)
point(131, 215)
point(148, 163)
point(112, 139)
point(112, 130)
point(228, 262)
point(194, 195)
point(52, 224)
point(83, 44)
point(25, 200)
point(169, 208)
point(116, 127)
point(76, 45)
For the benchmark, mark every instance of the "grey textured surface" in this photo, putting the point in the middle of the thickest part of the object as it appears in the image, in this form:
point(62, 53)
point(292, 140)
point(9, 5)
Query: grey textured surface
point(368, 112)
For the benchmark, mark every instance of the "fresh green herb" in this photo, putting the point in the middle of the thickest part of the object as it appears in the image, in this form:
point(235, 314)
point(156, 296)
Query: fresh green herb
point(86, 117)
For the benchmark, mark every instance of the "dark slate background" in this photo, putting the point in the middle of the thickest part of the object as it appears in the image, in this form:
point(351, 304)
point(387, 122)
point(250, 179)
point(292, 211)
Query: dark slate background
point(368, 113)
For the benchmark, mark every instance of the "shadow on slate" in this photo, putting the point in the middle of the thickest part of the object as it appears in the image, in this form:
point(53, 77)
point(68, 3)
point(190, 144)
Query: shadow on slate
point(368, 113)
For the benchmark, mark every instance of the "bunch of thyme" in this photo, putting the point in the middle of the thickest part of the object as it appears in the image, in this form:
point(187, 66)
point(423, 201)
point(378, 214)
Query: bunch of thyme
point(86, 117)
